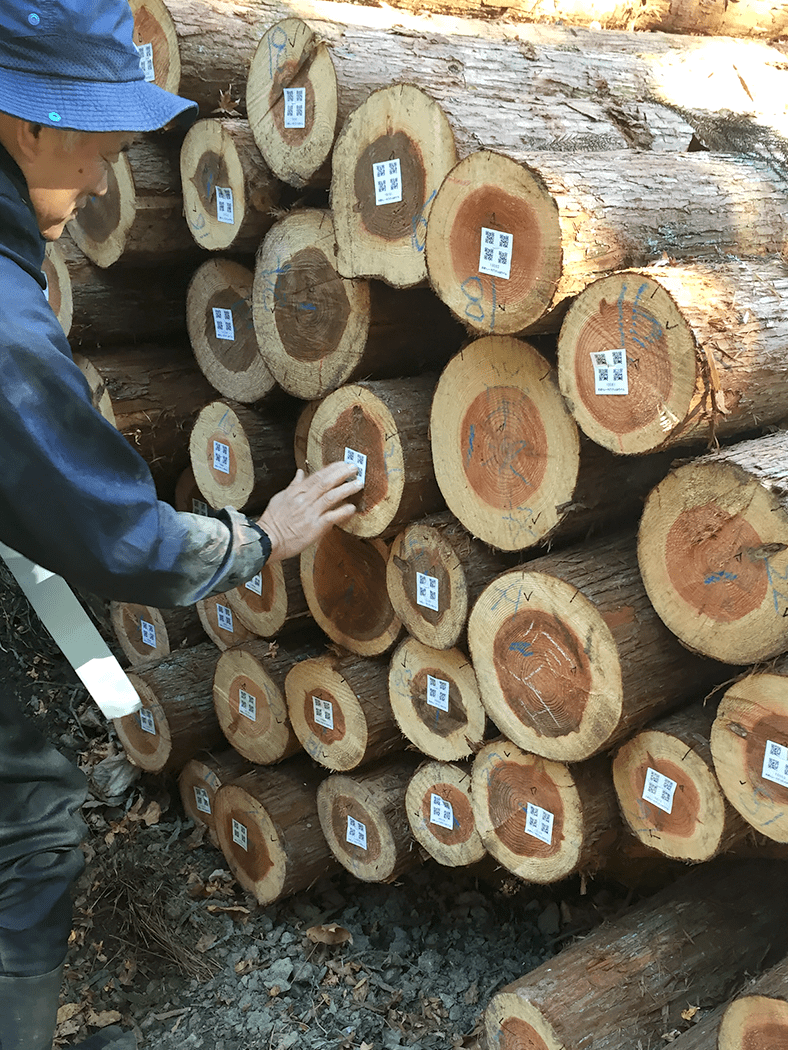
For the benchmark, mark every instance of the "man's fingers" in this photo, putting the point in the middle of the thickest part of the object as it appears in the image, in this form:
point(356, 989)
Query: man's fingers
point(332, 475)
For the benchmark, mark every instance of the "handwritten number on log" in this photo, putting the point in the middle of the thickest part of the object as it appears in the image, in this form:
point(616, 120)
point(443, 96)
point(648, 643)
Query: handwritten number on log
point(277, 42)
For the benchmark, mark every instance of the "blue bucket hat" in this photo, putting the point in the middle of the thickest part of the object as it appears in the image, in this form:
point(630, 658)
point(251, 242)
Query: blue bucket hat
point(73, 64)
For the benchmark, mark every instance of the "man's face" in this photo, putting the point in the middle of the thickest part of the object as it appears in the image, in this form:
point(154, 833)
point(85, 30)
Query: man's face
point(63, 175)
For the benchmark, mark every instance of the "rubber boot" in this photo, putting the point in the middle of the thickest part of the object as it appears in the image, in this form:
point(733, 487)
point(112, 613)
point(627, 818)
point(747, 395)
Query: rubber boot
point(112, 1038)
point(28, 1010)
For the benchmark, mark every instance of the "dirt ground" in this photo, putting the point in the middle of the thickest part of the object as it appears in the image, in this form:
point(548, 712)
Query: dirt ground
point(165, 942)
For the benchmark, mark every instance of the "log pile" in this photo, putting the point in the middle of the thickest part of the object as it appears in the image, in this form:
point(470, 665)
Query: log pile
point(552, 704)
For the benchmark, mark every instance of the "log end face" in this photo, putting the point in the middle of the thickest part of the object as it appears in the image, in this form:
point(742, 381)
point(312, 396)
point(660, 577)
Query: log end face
point(513, 1023)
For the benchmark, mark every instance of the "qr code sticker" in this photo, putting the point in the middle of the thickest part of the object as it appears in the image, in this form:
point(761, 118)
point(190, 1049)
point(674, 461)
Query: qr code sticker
point(295, 107)
point(225, 211)
point(145, 51)
point(388, 182)
point(255, 585)
point(147, 721)
point(247, 705)
point(610, 372)
point(356, 832)
point(224, 617)
point(240, 834)
point(148, 633)
point(441, 812)
point(775, 764)
point(221, 457)
point(438, 693)
point(323, 711)
point(223, 323)
point(539, 823)
point(427, 591)
point(659, 790)
point(495, 257)
point(359, 460)
point(202, 800)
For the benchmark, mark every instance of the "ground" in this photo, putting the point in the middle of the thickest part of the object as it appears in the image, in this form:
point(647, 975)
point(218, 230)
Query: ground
point(164, 940)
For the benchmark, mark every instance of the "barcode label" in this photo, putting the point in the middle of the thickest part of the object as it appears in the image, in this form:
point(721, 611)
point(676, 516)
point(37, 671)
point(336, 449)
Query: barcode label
point(295, 107)
point(356, 833)
point(659, 790)
point(426, 591)
point(240, 835)
point(147, 721)
point(221, 457)
point(324, 712)
point(775, 763)
point(223, 323)
point(388, 182)
point(224, 205)
point(610, 372)
point(224, 617)
point(539, 823)
point(198, 507)
point(202, 800)
point(247, 705)
point(359, 461)
point(255, 584)
point(495, 253)
point(145, 51)
point(148, 633)
point(441, 812)
point(438, 693)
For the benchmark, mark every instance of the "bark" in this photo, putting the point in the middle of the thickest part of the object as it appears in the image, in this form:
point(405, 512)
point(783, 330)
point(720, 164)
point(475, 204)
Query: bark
point(444, 827)
point(435, 699)
point(687, 944)
point(275, 814)
point(387, 422)
point(177, 719)
point(694, 822)
point(344, 581)
point(340, 710)
point(373, 797)
point(705, 348)
point(571, 218)
point(146, 634)
point(228, 357)
point(317, 330)
point(712, 548)
point(571, 657)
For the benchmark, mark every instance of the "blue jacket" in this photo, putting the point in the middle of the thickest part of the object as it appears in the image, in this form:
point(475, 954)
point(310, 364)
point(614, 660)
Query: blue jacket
point(75, 496)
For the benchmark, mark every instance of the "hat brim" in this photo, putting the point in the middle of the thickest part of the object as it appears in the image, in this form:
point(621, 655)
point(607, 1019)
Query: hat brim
point(89, 105)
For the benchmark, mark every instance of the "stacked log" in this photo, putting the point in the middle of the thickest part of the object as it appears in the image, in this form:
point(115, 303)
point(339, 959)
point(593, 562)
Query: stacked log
point(273, 601)
point(438, 805)
point(758, 1017)
point(218, 622)
point(201, 778)
point(145, 633)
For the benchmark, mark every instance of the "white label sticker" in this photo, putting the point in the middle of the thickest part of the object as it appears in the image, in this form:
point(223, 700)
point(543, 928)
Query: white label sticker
point(775, 763)
point(221, 457)
point(295, 107)
point(438, 693)
point(224, 617)
point(323, 711)
point(426, 591)
point(240, 836)
point(202, 800)
point(359, 461)
point(539, 823)
point(223, 323)
point(441, 812)
point(495, 253)
point(388, 182)
point(147, 721)
point(145, 51)
point(148, 633)
point(610, 372)
point(224, 205)
point(247, 705)
point(255, 584)
point(356, 833)
point(198, 507)
point(659, 790)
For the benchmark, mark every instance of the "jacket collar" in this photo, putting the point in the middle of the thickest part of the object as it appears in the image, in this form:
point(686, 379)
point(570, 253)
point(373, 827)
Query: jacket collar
point(20, 239)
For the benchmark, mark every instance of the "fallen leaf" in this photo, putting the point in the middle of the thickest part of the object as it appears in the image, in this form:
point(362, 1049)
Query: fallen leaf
point(690, 1012)
point(329, 934)
point(101, 1020)
point(67, 1011)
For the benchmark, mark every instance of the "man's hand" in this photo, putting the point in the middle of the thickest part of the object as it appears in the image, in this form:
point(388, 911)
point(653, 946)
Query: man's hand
point(299, 515)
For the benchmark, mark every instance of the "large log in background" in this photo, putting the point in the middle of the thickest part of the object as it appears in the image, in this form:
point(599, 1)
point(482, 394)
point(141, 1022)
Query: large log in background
point(572, 217)
point(317, 330)
point(688, 943)
point(571, 656)
point(749, 746)
point(703, 350)
point(713, 551)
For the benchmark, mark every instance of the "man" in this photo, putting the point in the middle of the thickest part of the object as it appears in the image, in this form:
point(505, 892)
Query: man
point(74, 496)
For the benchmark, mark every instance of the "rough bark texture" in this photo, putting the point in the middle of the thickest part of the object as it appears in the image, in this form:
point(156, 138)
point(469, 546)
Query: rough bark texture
point(375, 798)
point(435, 699)
point(713, 551)
point(344, 581)
point(573, 217)
point(685, 815)
point(543, 820)
point(340, 711)
point(177, 719)
point(571, 656)
point(269, 831)
point(445, 825)
point(704, 353)
point(146, 634)
point(387, 422)
point(690, 942)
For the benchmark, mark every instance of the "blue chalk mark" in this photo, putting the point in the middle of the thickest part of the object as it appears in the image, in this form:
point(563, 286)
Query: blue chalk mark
point(471, 438)
point(715, 577)
point(418, 225)
point(777, 594)
point(523, 648)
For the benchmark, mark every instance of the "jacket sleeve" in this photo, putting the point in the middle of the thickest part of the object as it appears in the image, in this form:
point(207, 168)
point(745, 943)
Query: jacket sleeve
point(76, 497)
